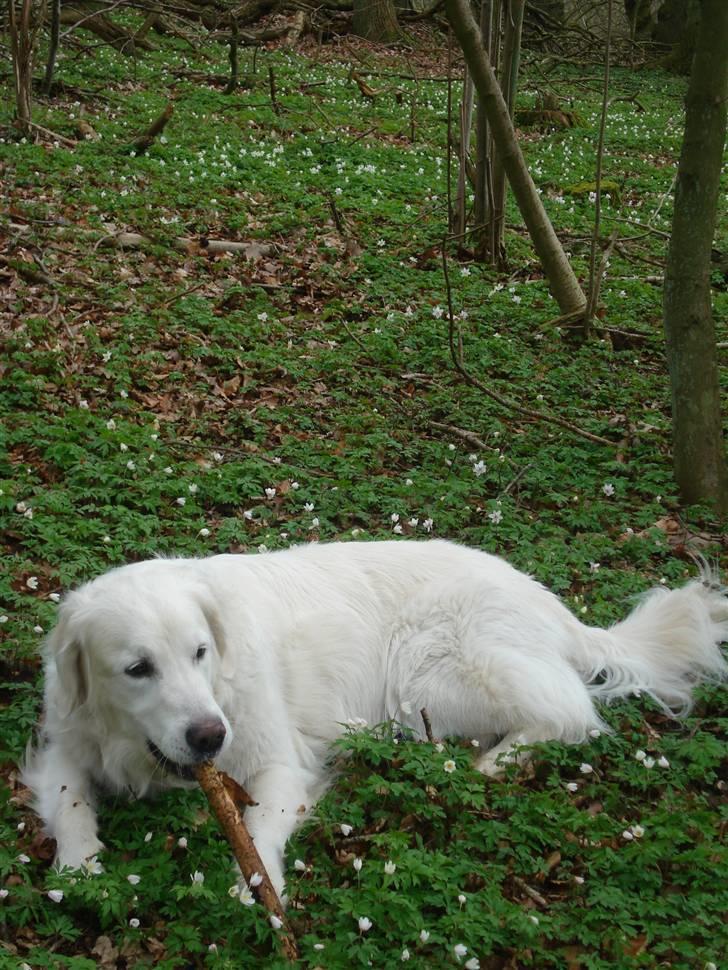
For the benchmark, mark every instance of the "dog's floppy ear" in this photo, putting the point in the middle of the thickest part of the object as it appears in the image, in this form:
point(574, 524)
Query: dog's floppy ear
point(64, 653)
point(217, 628)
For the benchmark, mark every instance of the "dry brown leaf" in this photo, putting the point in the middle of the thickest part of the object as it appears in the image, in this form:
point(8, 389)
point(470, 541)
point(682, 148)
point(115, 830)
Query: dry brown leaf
point(105, 952)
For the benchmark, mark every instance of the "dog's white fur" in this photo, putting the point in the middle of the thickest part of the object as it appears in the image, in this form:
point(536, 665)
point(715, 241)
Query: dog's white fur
point(303, 641)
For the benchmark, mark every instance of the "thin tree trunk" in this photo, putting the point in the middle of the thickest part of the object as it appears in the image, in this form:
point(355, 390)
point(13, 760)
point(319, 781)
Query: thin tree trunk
point(52, 45)
point(466, 122)
point(375, 20)
point(233, 56)
point(595, 278)
point(490, 11)
point(22, 49)
point(564, 284)
point(509, 85)
point(699, 456)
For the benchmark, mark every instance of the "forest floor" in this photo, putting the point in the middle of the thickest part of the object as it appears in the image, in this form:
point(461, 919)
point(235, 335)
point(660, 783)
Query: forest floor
point(167, 399)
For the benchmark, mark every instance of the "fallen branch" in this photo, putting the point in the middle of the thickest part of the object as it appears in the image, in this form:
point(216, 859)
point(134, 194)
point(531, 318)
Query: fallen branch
point(52, 136)
point(501, 399)
point(468, 436)
point(189, 244)
point(100, 24)
point(145, 140)
point(245, 852)
point(530, 892)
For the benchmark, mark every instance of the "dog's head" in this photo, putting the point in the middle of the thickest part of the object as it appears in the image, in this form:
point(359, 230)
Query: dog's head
point(141, 649)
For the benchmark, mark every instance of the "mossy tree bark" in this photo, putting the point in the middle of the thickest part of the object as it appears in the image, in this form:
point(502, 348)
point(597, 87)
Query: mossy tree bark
point(699, 456)
point(375, 20)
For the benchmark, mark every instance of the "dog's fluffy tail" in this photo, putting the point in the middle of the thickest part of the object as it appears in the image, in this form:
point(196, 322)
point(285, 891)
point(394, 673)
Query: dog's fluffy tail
point(669, 643)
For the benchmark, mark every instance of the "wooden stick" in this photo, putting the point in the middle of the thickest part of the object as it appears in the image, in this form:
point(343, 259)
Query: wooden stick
point(243, 847)
point(428, 727)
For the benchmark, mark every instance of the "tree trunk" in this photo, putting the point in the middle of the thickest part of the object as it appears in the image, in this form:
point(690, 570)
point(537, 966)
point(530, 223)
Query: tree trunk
point(466, 122)
point(562, 281)
point(375, 20)
point(483, 211)
point(52, 45)
point(509, 85)
point(22, 49)
point(699, 456)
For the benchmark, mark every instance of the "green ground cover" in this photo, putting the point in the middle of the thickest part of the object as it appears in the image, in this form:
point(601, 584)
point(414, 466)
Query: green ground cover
point(159, 401)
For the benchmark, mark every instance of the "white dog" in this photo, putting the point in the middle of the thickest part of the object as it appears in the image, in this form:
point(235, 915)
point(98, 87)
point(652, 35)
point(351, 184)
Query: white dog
point(258, 661)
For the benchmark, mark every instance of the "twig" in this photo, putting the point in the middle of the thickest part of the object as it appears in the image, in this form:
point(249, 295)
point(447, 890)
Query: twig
point(353, 336)
point(530, 892)
point(469, 436)
point(512, 484)
point(428, 726)
point(236, 832)
point(182, 293)
point(52, 135)
point(272, 85)
point(494, 395)
point(594, 277)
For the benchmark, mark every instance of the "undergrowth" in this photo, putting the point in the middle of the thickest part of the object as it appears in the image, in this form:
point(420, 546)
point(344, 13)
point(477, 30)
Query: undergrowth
point(162, 401)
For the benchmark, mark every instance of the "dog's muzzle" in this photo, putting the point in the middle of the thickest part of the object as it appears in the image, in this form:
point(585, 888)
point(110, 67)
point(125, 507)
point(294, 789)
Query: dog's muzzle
point(172, 767)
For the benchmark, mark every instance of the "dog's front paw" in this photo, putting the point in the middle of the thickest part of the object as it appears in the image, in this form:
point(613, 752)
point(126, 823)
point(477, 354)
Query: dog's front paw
point(80, 855)
point(247, 891)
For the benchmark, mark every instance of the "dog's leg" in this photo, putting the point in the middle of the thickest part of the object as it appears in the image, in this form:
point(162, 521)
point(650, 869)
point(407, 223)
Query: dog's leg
point(66, 804)
point(282, 797)
point(508, 751)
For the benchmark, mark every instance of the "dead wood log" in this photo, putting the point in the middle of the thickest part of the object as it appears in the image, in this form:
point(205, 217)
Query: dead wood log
point(295, 29)
point(144, 141)
point(105, 28)
point(150, 21)
point(236, 832)
point(191, 244)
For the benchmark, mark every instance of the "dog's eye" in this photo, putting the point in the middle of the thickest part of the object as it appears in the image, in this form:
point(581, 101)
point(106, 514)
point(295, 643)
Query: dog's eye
point(201, 651)
point(142, 668)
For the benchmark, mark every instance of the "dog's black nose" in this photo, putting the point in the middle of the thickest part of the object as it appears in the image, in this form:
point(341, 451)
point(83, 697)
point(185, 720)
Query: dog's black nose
point(206, 737)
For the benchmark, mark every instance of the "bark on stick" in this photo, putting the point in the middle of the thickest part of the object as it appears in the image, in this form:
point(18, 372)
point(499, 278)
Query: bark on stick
point(243, 847)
